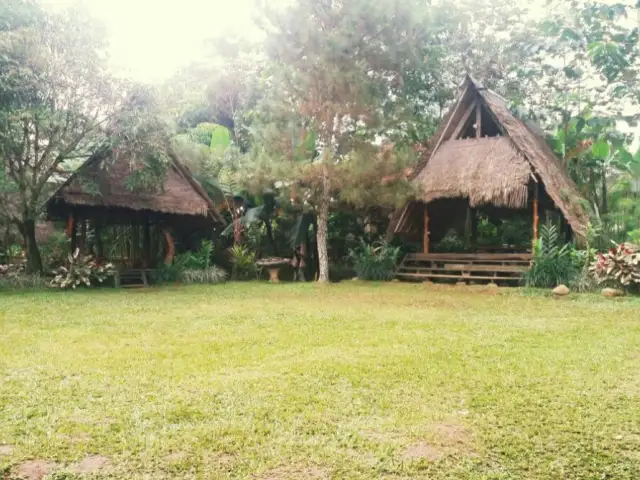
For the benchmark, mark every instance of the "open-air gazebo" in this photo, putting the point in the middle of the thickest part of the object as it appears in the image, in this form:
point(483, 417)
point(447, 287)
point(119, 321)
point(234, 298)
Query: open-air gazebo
point(98, 198)
point(483, 157)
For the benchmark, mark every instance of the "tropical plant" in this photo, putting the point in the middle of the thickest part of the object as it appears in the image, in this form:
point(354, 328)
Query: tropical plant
point(199, 260)
point(244, 263)
point(53, 250)
point(451, 242)
point(80, 271)
point(375, 261)
point(618, 267)
point(22, 281)
point(552, 262)
point(211, 275)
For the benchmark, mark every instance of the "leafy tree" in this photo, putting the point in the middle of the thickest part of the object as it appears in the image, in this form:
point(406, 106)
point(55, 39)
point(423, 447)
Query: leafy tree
point(60, 97)
point(337, 74)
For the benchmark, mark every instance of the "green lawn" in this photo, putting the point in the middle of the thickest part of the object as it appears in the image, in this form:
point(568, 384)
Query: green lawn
point(349, 381)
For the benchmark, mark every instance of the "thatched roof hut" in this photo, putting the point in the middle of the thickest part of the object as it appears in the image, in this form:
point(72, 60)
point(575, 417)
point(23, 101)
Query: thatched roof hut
point(485, 154)
point(101, 184)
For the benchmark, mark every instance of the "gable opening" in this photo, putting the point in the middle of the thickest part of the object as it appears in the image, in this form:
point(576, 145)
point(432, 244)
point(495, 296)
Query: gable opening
point(488, 126)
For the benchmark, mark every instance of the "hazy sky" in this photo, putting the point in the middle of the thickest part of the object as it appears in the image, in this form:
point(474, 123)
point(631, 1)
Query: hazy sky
point(151, 39)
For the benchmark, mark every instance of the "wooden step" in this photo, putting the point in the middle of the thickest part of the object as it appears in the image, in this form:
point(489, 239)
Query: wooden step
point(423, 276)
point(469, 256)
point(468, 268)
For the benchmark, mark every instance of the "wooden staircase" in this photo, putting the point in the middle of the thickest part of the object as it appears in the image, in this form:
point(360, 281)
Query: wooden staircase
point(465, 267)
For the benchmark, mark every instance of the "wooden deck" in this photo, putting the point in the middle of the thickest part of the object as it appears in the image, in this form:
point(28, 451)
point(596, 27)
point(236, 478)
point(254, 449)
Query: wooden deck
point(465, 267)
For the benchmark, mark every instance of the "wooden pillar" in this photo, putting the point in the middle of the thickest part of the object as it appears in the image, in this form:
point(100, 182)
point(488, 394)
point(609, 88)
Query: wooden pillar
point(425, 248)
point(171, 247)
point(536, 214)
point(478, 120)
point(72, 230)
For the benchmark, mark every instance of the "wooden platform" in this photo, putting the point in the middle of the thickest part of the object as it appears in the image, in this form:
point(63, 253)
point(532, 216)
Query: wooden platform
point(133, 277)
point(466, 267)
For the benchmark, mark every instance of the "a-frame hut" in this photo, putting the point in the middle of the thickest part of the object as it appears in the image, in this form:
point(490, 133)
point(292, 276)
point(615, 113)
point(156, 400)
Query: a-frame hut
point(98, 197)
point(483, 157)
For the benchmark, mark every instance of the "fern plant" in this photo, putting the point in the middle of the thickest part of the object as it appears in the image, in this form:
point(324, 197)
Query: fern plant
point(552, 263)
point(244, 262)
point(376, 261)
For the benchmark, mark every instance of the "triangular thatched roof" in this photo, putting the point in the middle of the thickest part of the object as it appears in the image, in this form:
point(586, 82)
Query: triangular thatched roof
point(100, 182)
point(495, 169)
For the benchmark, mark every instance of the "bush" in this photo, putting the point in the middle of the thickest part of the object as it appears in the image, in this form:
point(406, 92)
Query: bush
point(619, 267)
point(22, 281)
point(211, 275)
point(244, 263)
point(376, 261)
point(451, 242)
point(81, 271)
point(199, 260)
point(53, 250)
point(552, 263)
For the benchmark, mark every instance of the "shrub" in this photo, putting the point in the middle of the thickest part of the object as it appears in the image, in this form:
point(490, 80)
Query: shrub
point(376, 261)
point(552, 263)
point(619, 267)
point(196, 260)
point(451, 242)
point(81, 271)
point(211, 275)
point(244, 262)
point(53, 250)
point(21, 281)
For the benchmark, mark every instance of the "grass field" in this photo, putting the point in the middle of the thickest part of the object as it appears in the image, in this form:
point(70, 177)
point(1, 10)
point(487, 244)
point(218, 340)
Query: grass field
point(349, 381)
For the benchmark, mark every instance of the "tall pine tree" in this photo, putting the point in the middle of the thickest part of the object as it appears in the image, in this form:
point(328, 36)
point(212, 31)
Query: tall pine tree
point(337, 76)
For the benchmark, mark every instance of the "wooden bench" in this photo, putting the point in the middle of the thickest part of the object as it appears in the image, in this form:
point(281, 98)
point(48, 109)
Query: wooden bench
point(507, 267)
point(133, 277)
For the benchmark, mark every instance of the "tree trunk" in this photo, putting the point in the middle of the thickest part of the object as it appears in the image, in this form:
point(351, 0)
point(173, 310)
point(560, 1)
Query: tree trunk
point(323, 224)
point(34, 261)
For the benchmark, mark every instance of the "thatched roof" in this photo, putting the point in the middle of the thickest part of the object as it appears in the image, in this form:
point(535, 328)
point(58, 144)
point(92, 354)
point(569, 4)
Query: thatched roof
point(493, 170)
point(487, 171)
point(101, 182)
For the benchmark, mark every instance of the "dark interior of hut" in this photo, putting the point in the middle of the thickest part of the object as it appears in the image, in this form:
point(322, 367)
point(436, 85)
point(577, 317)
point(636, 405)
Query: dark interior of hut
point(456, 227)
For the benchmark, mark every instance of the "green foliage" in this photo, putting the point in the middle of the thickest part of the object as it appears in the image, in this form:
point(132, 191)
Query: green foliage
point(552, 263)
point(451, 242)
point(53, 250)
point(22, 281)
point(80, 271)
point(168, 273)
point(375, 261)
point(200, 260)
point(244, 263)
point(618, 267)
point(210, 275)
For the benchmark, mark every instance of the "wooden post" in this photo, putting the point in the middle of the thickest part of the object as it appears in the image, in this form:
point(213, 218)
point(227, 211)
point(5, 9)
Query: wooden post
point(426, 230)
point(171, 247)
point(73, 231)
point(478, 120)
point(536, 216)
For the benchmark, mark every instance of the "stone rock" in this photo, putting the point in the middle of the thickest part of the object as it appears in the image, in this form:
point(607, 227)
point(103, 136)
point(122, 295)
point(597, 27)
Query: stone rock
point(561, 291)
point(355, 279)
point(612, 292)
